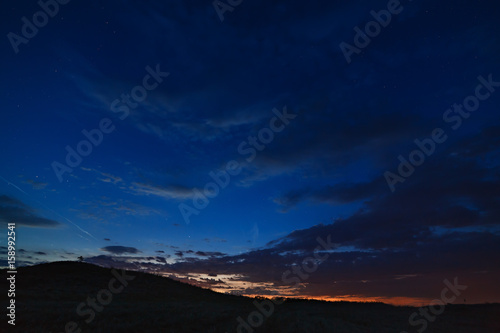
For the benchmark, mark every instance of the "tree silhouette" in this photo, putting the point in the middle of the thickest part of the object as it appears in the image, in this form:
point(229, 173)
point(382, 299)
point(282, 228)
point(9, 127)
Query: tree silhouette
point(80, 259)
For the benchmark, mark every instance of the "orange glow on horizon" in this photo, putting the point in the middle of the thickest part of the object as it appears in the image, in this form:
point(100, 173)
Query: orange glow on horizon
point(227, 284)
point(398, 301)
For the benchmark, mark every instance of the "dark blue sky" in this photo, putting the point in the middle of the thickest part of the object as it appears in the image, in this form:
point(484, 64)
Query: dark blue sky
point(321, 171)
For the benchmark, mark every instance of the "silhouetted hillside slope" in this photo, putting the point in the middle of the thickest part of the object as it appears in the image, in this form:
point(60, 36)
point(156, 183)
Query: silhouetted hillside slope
point(49, 297)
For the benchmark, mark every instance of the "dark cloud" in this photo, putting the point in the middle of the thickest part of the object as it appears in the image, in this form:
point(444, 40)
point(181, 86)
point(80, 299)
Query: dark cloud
point(14, 210)
point(120, 249)
point(161, 259)
point(334, 194)
point(209, 254)
point(449, 190)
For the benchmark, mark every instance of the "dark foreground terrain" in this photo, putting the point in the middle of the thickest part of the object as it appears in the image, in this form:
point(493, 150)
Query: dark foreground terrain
point(57, 297)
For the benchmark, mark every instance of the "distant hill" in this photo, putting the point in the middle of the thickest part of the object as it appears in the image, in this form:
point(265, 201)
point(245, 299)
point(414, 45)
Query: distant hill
point(61, 296)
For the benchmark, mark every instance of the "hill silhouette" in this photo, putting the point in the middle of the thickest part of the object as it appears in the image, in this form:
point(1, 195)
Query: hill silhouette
point(80, 297)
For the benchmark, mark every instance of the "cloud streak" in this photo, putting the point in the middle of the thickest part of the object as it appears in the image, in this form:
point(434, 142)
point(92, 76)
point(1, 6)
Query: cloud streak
point(14, 210)
point(120, 250)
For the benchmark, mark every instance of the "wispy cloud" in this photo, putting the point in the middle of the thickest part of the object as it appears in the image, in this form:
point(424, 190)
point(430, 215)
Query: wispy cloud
point(14, 210)
point(36, 184)
point(168, 192)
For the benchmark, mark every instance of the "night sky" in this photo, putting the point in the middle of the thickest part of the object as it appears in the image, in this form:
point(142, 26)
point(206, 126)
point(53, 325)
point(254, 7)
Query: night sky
point(216, 143)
